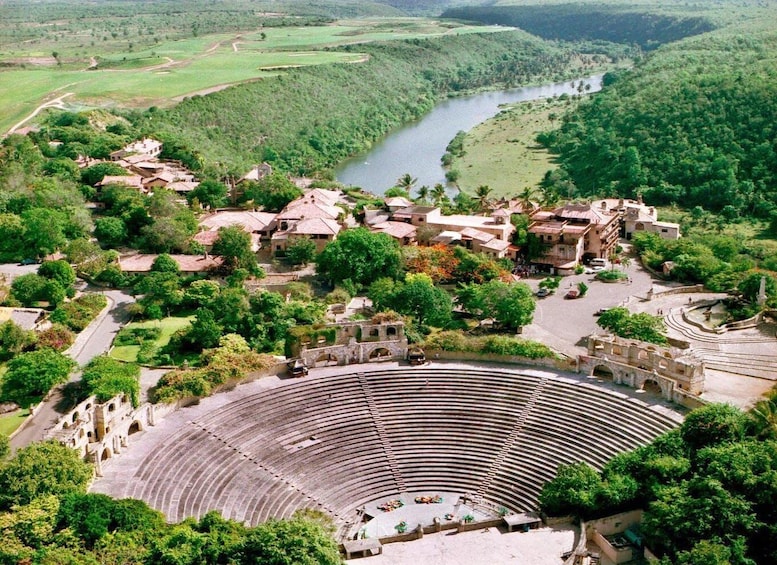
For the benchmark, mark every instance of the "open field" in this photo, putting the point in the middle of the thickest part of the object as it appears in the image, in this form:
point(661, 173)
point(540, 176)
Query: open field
point(169, 326)
point(165, 73)
point(502, 152)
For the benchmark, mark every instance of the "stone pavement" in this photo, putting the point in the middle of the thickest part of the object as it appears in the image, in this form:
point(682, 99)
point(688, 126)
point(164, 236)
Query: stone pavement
point(492, 546)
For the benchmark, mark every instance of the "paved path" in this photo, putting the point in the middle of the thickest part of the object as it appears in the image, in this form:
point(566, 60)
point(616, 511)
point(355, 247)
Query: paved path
point(93, 341)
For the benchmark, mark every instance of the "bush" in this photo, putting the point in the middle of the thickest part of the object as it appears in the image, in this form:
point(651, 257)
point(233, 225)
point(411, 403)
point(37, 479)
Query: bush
point(57, 337)
point(611, 275)
point(495, 344)
point(78, 313)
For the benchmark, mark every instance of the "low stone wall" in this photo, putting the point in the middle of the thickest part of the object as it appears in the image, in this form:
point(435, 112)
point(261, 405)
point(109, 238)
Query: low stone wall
point(564, 364)
point(681, 290)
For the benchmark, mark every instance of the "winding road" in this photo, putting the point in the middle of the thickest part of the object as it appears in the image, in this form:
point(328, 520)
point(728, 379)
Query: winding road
point(93, 341)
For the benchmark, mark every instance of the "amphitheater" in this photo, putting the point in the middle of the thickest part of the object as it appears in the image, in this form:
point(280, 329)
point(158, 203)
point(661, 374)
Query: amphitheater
point(346, 440)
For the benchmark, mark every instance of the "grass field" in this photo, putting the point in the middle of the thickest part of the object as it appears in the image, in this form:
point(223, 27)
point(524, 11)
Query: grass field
point(11, 421)
point(167, 72)
point(169, 326)
point(502, 152)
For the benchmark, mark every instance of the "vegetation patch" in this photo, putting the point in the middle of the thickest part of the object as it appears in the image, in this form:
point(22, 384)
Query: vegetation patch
point(495, 344)
point(138, 342)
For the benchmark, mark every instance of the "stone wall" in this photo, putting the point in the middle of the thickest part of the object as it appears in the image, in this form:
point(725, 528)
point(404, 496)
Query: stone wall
point(635, 363)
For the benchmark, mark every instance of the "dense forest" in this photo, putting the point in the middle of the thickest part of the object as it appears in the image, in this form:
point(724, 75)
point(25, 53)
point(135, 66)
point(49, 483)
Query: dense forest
point(694, 124)
point(331, 112)
point(708, 488)
point(576, 22)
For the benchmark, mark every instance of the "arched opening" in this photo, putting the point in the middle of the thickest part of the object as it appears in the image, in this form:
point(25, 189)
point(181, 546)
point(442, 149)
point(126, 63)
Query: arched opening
point(642, 354)
point(106, 454)
point(379, 354)
point(111, 407)
point(134, 428)
point(75, 417)
point(391, 331)
point(652, 386)
point(603, 372)
point(88, 406)
point(325, 360)
point(81, 433)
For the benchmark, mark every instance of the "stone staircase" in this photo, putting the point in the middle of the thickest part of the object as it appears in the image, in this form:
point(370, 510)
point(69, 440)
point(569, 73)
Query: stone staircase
point(385, 443)
point(509, 442)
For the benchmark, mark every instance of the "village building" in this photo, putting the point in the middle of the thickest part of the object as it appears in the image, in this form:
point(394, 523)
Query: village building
point(637, 217)
point(574, 234)
point(314, 216)
point(405, 234)
point(146, 147)
point(131, 181)
point(259, 224)
point(499, 226)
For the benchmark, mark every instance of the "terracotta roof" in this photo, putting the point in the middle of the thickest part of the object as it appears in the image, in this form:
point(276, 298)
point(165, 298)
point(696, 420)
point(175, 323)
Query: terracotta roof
point(206, 237)
point(128, 180)
point(251, 221)
point(188, 263)
point(496, 245)
point(309, 210)
point(477, 235)
point(316, 226)
point(413, 210)
point(398, 230)
point(584, 212)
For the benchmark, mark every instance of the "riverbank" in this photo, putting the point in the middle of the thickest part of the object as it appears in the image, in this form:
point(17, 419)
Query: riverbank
point(417, 147)
point(502, 151)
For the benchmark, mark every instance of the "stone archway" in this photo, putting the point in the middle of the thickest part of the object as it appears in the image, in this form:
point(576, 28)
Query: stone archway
point(325, 360)
point(603, 372)
point(106, 454)
point(380, 354)
point(651, 386)
point(134, 428)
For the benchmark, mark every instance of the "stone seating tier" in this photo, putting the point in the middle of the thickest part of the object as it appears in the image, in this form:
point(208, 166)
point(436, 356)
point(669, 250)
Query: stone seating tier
point(319, 443)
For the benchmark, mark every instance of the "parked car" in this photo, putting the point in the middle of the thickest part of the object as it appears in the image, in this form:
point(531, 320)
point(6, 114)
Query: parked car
point(542, 293)
point(298, 368)
point(598, 268)
point(572, 294)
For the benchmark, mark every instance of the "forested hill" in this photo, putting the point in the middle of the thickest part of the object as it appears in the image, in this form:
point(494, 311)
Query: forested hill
point(574, 22)
point(695, 124)
point(311, 118)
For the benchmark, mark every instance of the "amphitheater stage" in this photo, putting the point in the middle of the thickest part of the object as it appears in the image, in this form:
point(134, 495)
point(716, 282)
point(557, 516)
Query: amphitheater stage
point(480, 547)
point(449, 509)
point(346, 438)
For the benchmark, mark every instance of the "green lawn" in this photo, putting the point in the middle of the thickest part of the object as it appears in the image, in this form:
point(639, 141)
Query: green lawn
point(502, 152)
point(160, 75)
point(11, 421)
point(169, 326)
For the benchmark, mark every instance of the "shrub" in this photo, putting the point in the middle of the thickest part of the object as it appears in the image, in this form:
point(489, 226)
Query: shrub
point(78, 313)
point(57, 337)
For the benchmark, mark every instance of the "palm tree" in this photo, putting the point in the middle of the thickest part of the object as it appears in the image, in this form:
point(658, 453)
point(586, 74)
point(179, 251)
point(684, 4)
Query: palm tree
point(438, 193)
point(423, 193)
point(406, 182)
point(482, 193)
point(525, 198)
point(764, 417)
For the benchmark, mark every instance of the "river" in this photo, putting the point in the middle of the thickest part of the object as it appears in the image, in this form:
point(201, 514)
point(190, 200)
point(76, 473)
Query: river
point(417, 147)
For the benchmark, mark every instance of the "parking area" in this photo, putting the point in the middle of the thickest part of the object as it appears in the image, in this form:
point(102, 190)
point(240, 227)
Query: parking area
point(564, 324)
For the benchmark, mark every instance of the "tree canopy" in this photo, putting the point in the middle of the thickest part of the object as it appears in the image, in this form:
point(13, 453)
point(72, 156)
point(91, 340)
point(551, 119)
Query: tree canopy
point(360, 256)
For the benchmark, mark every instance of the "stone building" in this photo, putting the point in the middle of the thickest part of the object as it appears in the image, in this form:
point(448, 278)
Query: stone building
point(348, 343)
point(672, 372)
